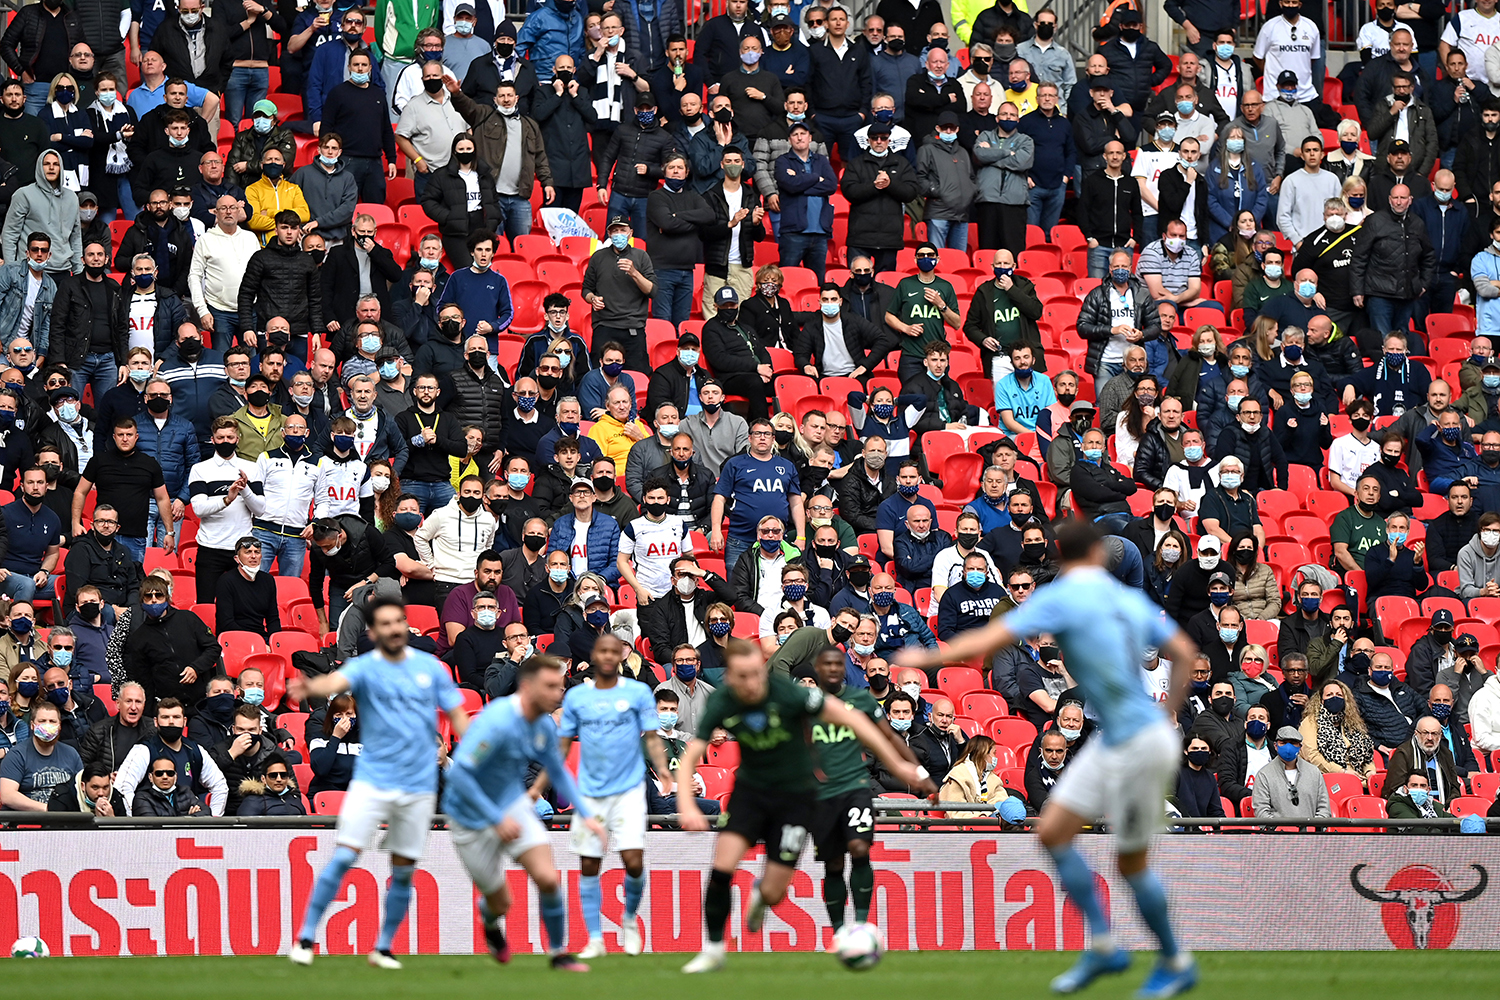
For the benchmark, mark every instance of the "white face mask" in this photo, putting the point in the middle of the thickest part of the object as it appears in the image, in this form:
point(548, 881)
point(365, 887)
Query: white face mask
point(1208, 560)
point(1489, 539)
point(914, 689)
point(686, 585)
point(1334, 223)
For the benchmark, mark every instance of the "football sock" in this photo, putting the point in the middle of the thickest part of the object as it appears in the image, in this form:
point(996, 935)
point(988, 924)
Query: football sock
point(635, 888)
point(490, 920)
point(1151, 900)
point(324, 889)
point(862, 888)
point(397, 899)
point(555, 919)
point(835, 895)
point(590, 899)
point(1078, 880)
point(716, 904)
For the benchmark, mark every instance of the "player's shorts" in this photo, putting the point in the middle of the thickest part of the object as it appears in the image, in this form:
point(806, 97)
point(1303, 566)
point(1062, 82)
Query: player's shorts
point(623, 816)
point(407, 815)
point(845, 817)
point(1125, 785)
point(483, 852)
point(780, 820)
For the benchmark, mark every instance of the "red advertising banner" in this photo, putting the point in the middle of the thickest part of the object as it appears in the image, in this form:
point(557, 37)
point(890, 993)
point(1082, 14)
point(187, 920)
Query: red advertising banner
point(240, 892)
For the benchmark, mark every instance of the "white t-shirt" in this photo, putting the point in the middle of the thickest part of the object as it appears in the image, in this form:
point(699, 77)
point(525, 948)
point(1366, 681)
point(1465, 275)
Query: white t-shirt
point(651, 546)
point(736, 200)
point(1227, 88)
point(1375, 38)
point(1284, 46)
point(1149, 163)
point(579, 550)
point(1255, 759)
point(33, 289)
point(1350, 459)
point(1121, 313)
point(143, 322)
point(471, 186)
point(1157, 682)
point(1474, 33)
point(836, 357)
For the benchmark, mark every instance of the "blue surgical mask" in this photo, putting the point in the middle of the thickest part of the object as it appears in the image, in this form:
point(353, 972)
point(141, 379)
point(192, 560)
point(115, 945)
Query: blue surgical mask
point(1273, 271)
point(359, 79)
point(263, 125)
point(1230, 480)
point(1224, 50)
point(1288, 752)
point(1310, 604)
point(619, 240)
point(428, 264)
point(1418, 796)
point(1227, 634)
point(863, 650)
point(1302, 398)
point(557, 574)
point(1235, 145)
point(1219, 598)
point(1185, 108)
point(343, 442)
point(688, 357)
point(666, 720)
point(1093, 454)
point(328, 161)
point(1442, 196)
point(1306, 289)
point(253, 696)
point(486, 618)
point(62, 658)
point(139, 376)
point(949, 137)
point(389, 370)
point(1193, 453)
point(900, 725)
point(1166, 134)
point(564, 358)
point(369, 343)
point(518, 480)
point(974, 578)
point(831, 309)
point(68, 412)
point(1492, 381)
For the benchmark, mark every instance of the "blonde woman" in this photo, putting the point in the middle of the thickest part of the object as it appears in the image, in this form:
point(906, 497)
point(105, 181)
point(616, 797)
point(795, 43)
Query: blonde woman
point(69, 130)
point(972, 778)
point(1356, 195)
point(1251, 681)
point(1347, 159)
point(574, 365)
point(1263, 336)
point(1203, 362)
point(1334, 737)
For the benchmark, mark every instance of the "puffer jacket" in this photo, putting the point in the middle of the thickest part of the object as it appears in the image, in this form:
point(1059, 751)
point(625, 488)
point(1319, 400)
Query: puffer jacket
point(170, 314)
point(1257, 597)
point(446, 199)
point(152, 801)
point(549, 32)
point(877, 216)
point(629, 145)
point(565, 122)
point(948, 174)
point(1003, 163)
point(175, 448)
point(1394, 259)
point(1094, 325)
point(490, 134)
point(282, 281)
point(1390, 725)
point(1485, 270)
point(44, 207)
point(479, 401)
point(22, 42)
point(257, 800)
point(1154, 455)
point(603, 542)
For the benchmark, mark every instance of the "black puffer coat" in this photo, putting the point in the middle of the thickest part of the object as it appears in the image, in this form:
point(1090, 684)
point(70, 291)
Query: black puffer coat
point(1394, 259)
point(282, 281)
point(446, 198)
point(877, 216)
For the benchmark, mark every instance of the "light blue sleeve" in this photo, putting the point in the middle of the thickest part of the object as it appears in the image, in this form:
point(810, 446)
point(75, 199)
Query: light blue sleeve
point(569, 727)
point(1157, 627)
point(354, 673)
point(1004, 399)
point(645, 709)
point(196, 95)
point(1038, 615)
point(473, 750)
point(447, 693)
point(561, 777)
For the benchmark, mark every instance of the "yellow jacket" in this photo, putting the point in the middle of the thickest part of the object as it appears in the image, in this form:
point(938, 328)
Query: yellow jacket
point(966, 12)
point(253, 443)
point(267, 199)
point(462, 468)
point(609, 434)
point(1025, 101)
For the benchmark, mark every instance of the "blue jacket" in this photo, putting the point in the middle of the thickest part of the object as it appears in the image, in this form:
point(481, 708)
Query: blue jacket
point(192, 387)
point(798, 182)
point(1443, 464)
point(907, 630)
point(1448, 230)
point(603, 542)
point(593, 389)
point(1223, 206)
point(990, 516)
point(914, 558)
point(329, 68)
point(668, 21)
point(1486, 265)
point(888, 74)
point(13, 280)
point(175, 448)
point(790, 67)
point(548, 33)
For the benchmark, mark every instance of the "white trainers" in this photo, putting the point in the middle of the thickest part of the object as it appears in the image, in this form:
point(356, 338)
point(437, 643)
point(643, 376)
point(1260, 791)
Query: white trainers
point(757, 913)
point(594, 949)
point(710, 959)
point(300, 955)
point(382, 960)
point(630, 936)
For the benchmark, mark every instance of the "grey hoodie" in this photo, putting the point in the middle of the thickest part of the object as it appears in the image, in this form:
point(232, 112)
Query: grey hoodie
point(45, 207)
point(330, 197)
point(1475, 569)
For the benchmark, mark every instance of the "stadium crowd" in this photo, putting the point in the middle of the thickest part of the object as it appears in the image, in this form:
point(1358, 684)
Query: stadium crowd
point(866, 312)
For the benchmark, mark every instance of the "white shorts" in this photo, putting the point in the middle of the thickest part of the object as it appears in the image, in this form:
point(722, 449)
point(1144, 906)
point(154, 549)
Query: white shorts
point(1125, 785)
point(623, 816)
point(483, 852)
point(407, 815)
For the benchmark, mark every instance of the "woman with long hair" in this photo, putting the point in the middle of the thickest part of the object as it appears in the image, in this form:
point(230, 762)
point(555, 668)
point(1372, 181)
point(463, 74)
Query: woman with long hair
point(386, 487)
point(971, 778)
point(1255, 592)
point(1356, 195)
point(1168, 557)
point(333, 754)
point(1201, 363)
point(575, 365)
point(1236, 184)
point(1334, 737)
point(1262, 337)
point(1130, 425)
point(1234, 247)
point(69, 129)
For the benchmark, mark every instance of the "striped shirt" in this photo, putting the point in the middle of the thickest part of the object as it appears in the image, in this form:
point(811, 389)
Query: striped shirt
point(208, 485)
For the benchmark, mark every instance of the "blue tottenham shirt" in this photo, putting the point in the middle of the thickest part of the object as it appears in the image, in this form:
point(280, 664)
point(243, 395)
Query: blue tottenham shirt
point(398, 705)
point(1103, 629)
point(609, 724)
point(488, 773)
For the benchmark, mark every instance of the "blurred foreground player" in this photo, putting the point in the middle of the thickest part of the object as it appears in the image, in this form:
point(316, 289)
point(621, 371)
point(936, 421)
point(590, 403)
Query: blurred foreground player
point(492, 815)
point(1103, 628)
point(399, 692)
point(773, 801)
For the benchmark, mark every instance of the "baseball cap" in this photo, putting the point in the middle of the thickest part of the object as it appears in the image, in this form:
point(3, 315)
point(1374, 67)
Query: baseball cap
point(726, 296)
point(782, 21)
point(947, 118)
point(1101, 82)
point(264, 107)
point(799, 125)
point(464, 8)
point(1400, 146)
point(65, 392)
point(1289, 734)
point(1080, 406)
point(579, 484)
point(1209, 543)
point(618, 220)
point(1129, 15)
point(1465, 642)
point(1442, 616)
point(1490, 363)
point(1223, 578)
point(1287, 79)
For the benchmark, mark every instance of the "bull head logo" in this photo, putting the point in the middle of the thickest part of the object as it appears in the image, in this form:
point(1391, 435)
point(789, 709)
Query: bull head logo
point(1420, 904)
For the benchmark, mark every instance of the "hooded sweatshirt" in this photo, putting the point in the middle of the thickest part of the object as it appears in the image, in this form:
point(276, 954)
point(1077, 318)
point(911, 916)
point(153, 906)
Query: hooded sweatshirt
point(1475, 568)
point(45, 207)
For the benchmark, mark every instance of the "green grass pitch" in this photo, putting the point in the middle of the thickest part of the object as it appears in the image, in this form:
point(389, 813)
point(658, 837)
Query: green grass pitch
point(1230, 975)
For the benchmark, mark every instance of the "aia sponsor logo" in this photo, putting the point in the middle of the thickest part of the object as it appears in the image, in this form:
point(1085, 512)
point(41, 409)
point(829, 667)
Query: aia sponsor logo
point(1419, 904)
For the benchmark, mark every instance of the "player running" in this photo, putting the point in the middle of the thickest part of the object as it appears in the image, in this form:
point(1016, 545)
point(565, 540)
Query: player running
point(609, 717)
point(774, 791)
point(1103, 628)
point(845, 820)
point(491, 815)
point(399, 692)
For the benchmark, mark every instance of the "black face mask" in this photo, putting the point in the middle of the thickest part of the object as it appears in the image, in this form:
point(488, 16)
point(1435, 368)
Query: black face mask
point(271, 170)
point(1244, 557)
point(432, 86)
point(1066, 398)
point(728, 316)
point(90, 610)
point(451, 328)
point(478, 359)
point(548, 381)
point(565, 75)
point(259, 398)
point(1222, 705)
point(859, 579)
point(470, 504)
point(895, 46)
point(158, 406)
point(692, 119)
point(504, 49)
point(1390, 461)
point(841, 633)
point(189, 349)
point(654, 509)
point(826, 551)
point(225, 449)
point(968, 539)
point(1130, 34)
point(879, 683)
point(535, 542)
point(723, 116)
point(1360, 424)
point(1045, 30)
point(1164, 511)
point(464, 156)
point(603, 484)
point(169, 734)
point(783, 438)
point(94, 272)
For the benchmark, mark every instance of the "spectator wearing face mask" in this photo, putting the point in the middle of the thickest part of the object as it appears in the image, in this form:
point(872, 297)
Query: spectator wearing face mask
point(335, 750)
point(1387, 706)
point(1432, 653)
point(1290, 786)
point(1479, 561)
point(479, 645)
point(1197, 791)
point(1415, 797)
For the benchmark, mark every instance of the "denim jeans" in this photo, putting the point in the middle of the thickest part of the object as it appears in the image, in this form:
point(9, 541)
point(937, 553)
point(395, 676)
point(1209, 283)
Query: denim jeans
point(369, 173)
point(226, 327)
point(127, 197)
point(156, 532)
point(515, 215)
point(673, 300)
point(809, 250)
point(1045, 207)
point(419, 181)
point(274, 547)
point(1107, 370)
point(431, 496)
point(1099, 260)
point(1150, 229)
point(36, 96)
point(1390, 314)
point(99, 370)
point(948, 233)
point(247, 84)
point(20, 586)
point(733, 549)
point(135, 546)
point(840, 129)
point(634, 208)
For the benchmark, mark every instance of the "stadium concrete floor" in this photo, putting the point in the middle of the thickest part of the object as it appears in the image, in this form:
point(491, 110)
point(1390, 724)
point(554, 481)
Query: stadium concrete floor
point(957, 975)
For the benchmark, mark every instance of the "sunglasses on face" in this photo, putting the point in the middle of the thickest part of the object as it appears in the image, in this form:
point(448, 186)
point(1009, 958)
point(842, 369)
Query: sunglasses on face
point(276, 775)
point(163, 774)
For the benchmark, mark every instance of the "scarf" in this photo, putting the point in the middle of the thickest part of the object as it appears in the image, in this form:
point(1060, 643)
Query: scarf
point(1343, 745)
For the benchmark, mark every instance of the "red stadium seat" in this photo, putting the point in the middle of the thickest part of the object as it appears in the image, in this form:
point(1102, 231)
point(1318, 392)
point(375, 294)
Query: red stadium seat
point(1341, 787)
point(290, 589)
point(526, 297)
point(327, 803)
point(238, 645)
point(207, 613)
point(1469, 805)
point(725, 755)
point(1485, 786)
point(284, 644)
point(717, 781)
point(960, 473)
point(957, 681)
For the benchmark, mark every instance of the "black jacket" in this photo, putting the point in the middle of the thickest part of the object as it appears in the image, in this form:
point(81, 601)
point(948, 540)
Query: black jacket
point(664, 621)
point(1174, 195)
point(926, 100)
point(340, 277)
point(1265, 462)
point(170, 314)
point(717, 235)
point(22, 41)
point(860, 500)
point(171, 41)
point(1390, 725)
point(1093, 129)
point(628, 146)
point(145, 234)
point(1110, 209)
point(1135, 76)
point(480, 401)
point(1100, 489)
point(838, 86)
point(446, 199)
point(937, 751)
point(282, 281)
point(675, 223)
point(73, 319)
point(483, 76)
point(1394, 258)
point(877, 216)
point(108, 742)
point(949, 390)
point(116, 573)
point(669, 384)
point(733, 349)
point(565, 122)
point(869, 343)
point(157, 649)
point(1476, 166)
point(1153, 458)
point(364, 553)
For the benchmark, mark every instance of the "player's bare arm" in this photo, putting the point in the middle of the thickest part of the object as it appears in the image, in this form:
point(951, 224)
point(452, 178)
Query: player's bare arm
point(970, 645)
point(458, 719)
point(322, 686)
point(870, 735)
point(689, 817)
